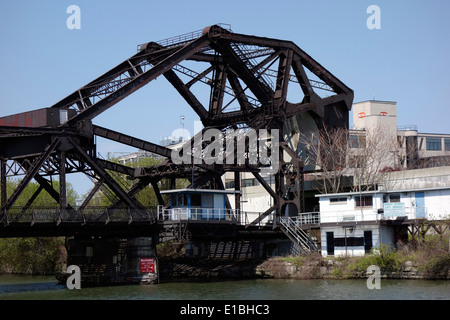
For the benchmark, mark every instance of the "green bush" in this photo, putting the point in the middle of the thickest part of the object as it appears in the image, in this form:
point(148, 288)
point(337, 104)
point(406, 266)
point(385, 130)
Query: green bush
point(386, 258)
point(432, 257)
point(32, 255)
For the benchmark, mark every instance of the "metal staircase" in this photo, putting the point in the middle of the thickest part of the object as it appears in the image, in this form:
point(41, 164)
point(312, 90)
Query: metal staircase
point(302, 241)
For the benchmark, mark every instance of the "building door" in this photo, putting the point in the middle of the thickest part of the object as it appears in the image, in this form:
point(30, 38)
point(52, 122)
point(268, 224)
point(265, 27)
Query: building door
point(330, 243)
point(367, 241)
point(219, 206)
point(420, 205)
point(207, 205)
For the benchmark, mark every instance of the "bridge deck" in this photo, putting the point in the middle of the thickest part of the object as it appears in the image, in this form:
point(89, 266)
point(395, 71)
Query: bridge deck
point(101, 221)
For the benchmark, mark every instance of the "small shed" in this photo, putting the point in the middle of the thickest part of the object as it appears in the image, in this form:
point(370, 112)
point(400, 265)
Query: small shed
point(198, 204)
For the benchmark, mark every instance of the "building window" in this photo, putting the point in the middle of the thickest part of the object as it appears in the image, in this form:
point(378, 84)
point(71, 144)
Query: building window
point(363, 201)
point(356, 141)
point(391, 198)
point(249, 182)
point(434, 144)
point(269, 180)
point(447, 144)
point(229, 184)
point(394, 197)
point(196, 200)
point(340, 200)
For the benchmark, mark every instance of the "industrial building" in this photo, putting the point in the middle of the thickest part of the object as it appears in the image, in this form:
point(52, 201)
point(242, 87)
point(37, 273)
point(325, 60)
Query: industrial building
point(414, 149)
point(411, 182)
point(353, 223)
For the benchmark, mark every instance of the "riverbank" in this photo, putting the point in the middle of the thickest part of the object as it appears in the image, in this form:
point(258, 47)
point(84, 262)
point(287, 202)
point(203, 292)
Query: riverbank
point(339, 269)
point(300, 268)
point(428, 261)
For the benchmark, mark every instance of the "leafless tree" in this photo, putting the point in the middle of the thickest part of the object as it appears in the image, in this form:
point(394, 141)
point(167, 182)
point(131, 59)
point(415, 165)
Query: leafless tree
point(374, 159)
point(335, 155)
point(325, 153)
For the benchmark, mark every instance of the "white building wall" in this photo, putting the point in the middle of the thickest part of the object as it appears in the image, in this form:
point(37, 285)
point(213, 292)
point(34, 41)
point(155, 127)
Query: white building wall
point(436, 206)
point(254, 201)
point(372, 114)
point(438, 177)
point(347, 211)
point(385, 237)
point(381, 236)
point(437, 203)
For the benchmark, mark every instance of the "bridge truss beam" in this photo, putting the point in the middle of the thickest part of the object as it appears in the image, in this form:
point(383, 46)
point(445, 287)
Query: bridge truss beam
point(254, 83)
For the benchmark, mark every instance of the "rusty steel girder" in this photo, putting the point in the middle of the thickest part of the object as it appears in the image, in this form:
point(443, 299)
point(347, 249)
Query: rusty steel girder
point(254, 82)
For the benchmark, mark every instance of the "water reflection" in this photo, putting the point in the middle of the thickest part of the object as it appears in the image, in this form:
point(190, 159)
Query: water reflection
point(46, 288)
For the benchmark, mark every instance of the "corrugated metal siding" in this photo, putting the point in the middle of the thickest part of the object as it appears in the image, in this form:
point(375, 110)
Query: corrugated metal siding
point(35, 118)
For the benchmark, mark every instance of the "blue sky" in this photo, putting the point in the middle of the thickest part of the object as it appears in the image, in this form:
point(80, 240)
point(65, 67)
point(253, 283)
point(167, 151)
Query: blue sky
point(406, 61)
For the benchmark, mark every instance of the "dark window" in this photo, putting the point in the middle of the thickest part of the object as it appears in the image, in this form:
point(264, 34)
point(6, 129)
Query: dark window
point(196, 200)
point(174, 200)
point(363, 201)
point(434, 144)
point(269, 180)
point(353, 141)
point(249, 182)
point(447, 144)
point(349, 242)
point(339, 200)
point(394, 198)
point(356, 141)
point(229, 184)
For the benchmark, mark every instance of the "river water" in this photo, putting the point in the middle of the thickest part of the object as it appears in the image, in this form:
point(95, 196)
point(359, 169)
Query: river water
point(13, 287)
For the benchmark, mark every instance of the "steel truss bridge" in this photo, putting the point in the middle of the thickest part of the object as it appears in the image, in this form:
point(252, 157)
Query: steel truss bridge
point(253, 82)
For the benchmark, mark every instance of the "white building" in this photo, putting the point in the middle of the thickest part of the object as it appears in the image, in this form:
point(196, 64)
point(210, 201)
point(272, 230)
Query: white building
point(414, 149)
point(353, 223)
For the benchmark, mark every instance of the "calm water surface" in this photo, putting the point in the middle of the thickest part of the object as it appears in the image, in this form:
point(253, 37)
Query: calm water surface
point(46, 288)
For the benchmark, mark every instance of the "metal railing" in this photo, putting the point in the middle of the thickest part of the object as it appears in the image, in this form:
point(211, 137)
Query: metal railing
point(211, 215)
point(293, 227)
point(309, 218)
point(177, 214)
point(34, 215)
point(187, 37)
point(365, 215)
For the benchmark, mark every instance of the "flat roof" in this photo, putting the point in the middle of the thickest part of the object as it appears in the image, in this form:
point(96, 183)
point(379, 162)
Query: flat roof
point(376, 101)
point(356, 193)
point(200, 190)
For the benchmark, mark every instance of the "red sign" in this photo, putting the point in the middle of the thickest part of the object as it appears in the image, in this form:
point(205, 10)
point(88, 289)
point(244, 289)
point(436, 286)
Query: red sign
point(147, 265)
point(383, 113)
point(361, 115)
